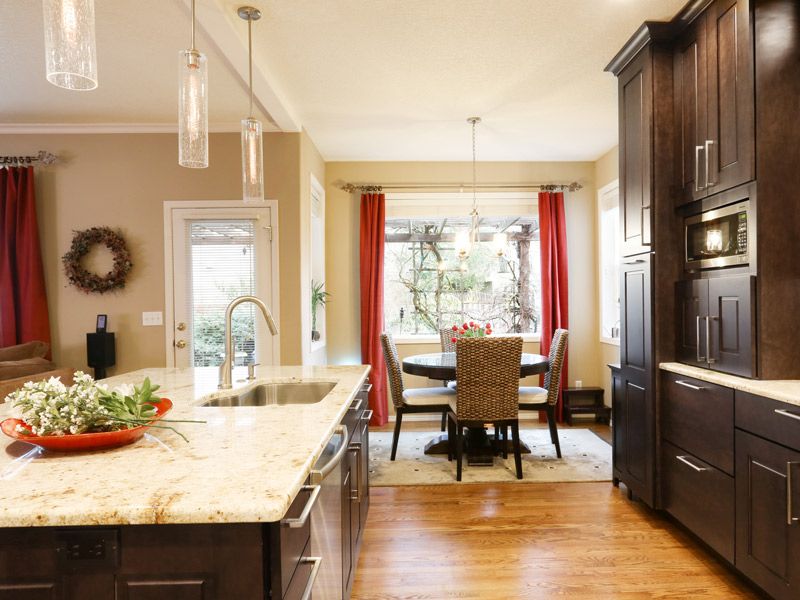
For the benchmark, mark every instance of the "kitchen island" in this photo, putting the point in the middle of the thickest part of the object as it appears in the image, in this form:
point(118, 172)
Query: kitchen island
point(164, 518)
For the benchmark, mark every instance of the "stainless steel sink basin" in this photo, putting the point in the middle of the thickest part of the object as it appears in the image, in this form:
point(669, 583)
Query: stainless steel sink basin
point(281, 394)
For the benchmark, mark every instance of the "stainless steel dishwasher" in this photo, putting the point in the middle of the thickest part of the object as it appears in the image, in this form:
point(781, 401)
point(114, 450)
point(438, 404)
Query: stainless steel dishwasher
point(326, 519)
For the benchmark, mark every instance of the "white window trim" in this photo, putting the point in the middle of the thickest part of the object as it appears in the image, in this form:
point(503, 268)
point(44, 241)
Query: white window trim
point(602, 193)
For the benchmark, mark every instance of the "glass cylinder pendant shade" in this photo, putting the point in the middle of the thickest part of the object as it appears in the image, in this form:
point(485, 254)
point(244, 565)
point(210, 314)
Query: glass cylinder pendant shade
point(252, 161)
point(499, 243)
point(69, 44)
point(192, 109)
point(462, 243)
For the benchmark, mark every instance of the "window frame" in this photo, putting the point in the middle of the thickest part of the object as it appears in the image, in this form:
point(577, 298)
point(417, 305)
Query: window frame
point(603, 195)
point(447, 201)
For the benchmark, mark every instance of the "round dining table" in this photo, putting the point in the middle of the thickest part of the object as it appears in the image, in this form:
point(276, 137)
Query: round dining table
point(442, 366)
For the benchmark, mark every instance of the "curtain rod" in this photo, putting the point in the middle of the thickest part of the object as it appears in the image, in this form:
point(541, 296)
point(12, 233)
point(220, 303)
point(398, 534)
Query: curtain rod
point(41, 158)
point(549, 187)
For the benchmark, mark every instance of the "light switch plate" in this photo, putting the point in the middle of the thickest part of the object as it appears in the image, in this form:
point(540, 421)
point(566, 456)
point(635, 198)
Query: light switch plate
point(152, 319)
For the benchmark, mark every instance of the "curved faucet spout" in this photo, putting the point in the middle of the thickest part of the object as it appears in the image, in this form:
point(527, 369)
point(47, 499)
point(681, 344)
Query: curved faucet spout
point(226, 368)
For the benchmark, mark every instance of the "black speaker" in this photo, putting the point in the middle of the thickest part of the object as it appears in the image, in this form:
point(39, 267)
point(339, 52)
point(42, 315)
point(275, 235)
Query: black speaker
point(100, 352)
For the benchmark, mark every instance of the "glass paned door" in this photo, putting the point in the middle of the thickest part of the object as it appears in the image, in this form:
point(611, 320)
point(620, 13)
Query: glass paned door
point(219, 255)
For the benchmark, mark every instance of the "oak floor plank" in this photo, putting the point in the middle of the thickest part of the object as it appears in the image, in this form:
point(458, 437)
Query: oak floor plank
point(506, 541)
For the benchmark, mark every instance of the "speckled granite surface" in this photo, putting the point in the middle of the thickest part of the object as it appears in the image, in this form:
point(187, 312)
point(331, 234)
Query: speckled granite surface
point(245, 464)
point(783, 390)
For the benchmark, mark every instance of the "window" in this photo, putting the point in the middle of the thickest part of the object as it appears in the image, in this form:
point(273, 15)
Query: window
point(426, 286)
point(608, 208)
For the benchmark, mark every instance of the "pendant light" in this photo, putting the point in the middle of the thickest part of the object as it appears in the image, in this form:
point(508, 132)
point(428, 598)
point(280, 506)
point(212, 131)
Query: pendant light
point(499, 243)
point(192, 106)
point(467, 240)
point(69, 44)
point(252, 151)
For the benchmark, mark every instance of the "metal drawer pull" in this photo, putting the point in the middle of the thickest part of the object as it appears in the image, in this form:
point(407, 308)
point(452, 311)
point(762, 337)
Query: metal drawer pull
point(787, 413)
point(366, 415)
point(685, 461)
point(697, 334)
point(356, 447)
point(300, 521)
point(697, 151)
point(637, 261)
point(710, 360)
point(318, 476)
point(358, 404)
point(686, 384)
point(709, 143)
point(366, 388)
point(790, 518)
point(312, 578)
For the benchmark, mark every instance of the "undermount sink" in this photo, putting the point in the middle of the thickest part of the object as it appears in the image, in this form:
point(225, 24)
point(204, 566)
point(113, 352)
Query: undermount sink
point(267, 394)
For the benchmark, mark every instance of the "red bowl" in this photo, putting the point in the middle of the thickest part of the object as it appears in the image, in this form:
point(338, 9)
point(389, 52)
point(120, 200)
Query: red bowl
point(84, 441)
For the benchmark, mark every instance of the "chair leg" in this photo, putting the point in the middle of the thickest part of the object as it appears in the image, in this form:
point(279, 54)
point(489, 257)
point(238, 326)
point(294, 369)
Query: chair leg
point(551, 422)
point(398, 420)
point(504, 433)
point(459, 449)
point(444, 419)
point(517, 449)
point(451, 436)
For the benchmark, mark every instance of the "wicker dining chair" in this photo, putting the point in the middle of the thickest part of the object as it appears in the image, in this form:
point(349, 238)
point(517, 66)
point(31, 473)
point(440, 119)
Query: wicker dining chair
point(487, 370)
point(446, 335)
point(546, 398)
point(415, 400)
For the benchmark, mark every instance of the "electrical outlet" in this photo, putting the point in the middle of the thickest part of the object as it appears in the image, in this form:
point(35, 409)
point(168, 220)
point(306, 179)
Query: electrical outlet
point(578, 383)
point(152, 319)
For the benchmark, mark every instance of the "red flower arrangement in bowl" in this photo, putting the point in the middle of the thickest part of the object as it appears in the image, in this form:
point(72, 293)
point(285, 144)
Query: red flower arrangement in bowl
point(471, 330)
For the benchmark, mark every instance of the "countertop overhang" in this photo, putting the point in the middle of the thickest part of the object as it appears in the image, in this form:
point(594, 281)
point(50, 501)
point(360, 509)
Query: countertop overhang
point(785, 390)
point(243, 465)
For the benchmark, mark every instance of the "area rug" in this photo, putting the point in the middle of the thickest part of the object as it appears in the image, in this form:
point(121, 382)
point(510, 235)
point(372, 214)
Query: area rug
point(585, 457)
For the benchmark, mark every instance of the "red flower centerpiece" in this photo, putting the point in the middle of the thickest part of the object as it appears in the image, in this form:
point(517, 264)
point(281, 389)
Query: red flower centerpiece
point(471, 330)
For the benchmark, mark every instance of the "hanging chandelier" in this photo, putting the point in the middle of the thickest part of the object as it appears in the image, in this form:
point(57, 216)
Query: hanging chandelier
point(252, 150)
point(69, 44)
point(192, 106)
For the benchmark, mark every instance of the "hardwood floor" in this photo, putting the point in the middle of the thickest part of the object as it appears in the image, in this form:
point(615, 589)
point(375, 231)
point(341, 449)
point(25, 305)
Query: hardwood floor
point(573, 540)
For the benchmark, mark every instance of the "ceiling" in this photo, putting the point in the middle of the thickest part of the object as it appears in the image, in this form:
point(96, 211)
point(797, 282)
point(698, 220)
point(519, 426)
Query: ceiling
point(368, 80)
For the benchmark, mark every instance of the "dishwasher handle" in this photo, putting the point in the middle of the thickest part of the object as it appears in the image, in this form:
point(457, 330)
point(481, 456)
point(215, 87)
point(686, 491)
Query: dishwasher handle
point(318, 475)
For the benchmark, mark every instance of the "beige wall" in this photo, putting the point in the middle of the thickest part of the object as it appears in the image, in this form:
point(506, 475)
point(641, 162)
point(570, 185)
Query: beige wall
point(606, 171)
point(342, 231)
point(121, 181)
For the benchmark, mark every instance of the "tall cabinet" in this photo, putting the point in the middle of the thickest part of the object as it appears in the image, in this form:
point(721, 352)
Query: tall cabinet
point(644, 71)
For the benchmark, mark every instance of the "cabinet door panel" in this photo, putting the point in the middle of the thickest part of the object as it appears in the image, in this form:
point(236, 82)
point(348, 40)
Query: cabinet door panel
point(162, 587)
point(767, 546)
point(693, 308)
point(636, 314)
point(618, 447)
point(690, 111)
point(731, 130)
point(635, 147)
point(637, 432)
point(732, 324)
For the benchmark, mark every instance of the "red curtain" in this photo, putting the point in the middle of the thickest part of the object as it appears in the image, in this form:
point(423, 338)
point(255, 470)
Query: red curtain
point(373, 216)
point(23, 301)
point(555, 295)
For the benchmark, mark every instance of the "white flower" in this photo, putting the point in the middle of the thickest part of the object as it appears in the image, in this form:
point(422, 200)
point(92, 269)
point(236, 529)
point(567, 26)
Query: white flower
point(126, 389)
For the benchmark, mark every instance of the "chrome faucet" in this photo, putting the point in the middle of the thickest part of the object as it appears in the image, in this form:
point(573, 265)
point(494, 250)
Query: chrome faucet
point(226, 368)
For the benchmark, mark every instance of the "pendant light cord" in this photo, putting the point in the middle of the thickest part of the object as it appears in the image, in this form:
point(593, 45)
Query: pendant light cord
point(192, 47)
point(250, 60)
point(474, 171)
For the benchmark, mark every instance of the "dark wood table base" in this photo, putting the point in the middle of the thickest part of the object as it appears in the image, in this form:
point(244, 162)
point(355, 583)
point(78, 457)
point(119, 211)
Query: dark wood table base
point(480, 446)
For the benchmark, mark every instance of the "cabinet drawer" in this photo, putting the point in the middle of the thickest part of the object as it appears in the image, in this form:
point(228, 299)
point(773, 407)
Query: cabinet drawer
point(698, 417)
point(774, 420)
point(289, 543)
point(701, 497)
point(303, 576)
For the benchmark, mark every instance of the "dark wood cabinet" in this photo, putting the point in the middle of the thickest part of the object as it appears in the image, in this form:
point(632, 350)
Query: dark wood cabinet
point(767, 534)
point(636, 314)
point(716, 324)
point(714, 102)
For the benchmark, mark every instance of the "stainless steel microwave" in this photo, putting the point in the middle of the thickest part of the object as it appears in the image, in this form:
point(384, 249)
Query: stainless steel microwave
point(719, 238)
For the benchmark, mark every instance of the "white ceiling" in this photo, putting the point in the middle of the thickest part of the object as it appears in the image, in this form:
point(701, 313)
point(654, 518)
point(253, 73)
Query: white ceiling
point(368, 79)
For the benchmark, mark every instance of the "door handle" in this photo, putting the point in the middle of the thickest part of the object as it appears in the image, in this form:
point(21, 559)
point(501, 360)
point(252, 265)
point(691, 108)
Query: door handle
point(697, 151)
point(707, 152)
point(685, 461)
point(790, 518)
point(296, 523)
point(697, 333)
point(696, 388)
point(317, 476)
point(356, 447)
point(180, 344)
point(710, 360)
point(180, 326)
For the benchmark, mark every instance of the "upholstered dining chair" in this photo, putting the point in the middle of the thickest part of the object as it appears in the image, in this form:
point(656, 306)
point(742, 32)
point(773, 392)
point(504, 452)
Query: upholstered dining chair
point(416, 400)
point(487, 370)
point(537, 398)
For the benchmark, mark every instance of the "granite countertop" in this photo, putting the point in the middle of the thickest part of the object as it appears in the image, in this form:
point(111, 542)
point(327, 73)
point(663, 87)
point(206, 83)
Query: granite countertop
point(245, 464)
point(787, 390)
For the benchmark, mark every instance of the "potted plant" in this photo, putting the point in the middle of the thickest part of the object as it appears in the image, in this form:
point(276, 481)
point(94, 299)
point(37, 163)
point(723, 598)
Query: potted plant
point(319, 298)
